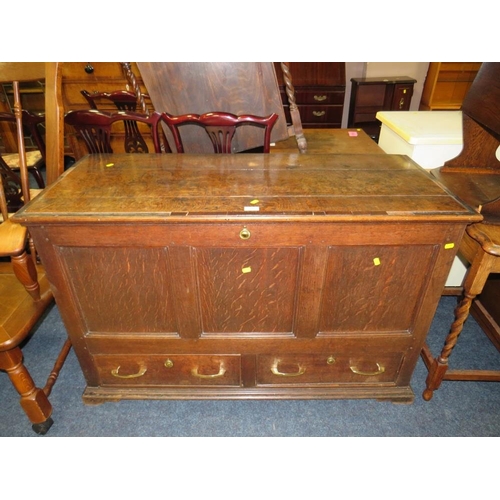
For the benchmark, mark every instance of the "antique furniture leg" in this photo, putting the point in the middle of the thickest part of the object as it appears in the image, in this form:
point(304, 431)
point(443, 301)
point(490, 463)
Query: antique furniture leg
point(294, 110)
point(33, 400)
point(485, 257)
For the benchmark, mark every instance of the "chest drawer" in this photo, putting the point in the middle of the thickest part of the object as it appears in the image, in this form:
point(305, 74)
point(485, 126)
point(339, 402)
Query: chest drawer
point(169, 370)
point(329, 368)
point(320, 114)
point(319, 96)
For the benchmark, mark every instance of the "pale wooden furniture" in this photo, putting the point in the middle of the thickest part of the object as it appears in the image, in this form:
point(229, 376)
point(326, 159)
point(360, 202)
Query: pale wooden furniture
point(220, 128)
point(446, 85)
point(247, 275)
point(35, 159)
point(474, 176)
point(24, 296)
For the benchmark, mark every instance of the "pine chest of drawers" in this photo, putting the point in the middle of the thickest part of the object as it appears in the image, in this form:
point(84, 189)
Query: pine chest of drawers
point(246, 276)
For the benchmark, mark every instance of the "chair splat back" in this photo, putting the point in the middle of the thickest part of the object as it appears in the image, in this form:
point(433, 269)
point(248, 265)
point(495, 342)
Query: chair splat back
point(220, 127)
point(95, 128)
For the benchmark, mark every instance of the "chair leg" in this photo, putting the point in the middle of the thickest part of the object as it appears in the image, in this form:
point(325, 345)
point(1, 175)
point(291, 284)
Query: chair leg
point(473, 285)
point(33, 400)
point(439, 365)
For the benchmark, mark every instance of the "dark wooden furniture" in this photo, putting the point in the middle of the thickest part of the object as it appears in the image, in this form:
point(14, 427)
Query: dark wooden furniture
point(24, 297)
point(319, 92)
point(122, 100)
point(236, 88)
point(177, 88)
point(247, 275)
point(446, 85)
point(95, 129)
point(474, 176)
point(220, 128)
point(371, 95)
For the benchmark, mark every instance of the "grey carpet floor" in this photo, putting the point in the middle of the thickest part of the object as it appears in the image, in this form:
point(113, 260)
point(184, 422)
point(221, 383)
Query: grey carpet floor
point(458, 409)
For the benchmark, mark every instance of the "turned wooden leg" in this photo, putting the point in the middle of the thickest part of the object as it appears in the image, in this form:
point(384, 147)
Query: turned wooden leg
point(26, 273)
point(439, 365)
point(33, 400)
point(473, 285)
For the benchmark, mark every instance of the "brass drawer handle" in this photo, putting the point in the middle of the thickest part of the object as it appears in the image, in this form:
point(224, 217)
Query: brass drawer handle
point(319, 113)
point(222, 370)
point(140, 373)
point(168, 363)
point(380, 369)
point(245, 234)
point(275, 371)
point(320, 98)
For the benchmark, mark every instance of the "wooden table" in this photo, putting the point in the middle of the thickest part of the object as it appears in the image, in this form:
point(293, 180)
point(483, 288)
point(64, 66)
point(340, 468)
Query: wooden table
point(331, 141)
point(247, 276)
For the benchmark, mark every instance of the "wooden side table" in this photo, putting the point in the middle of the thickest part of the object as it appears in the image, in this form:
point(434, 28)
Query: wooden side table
point(370, 95)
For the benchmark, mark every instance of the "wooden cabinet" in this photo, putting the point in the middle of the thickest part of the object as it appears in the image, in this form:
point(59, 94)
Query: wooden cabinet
point(371, 95)
point(319, 92)
point(247, 276)
point(447, 84)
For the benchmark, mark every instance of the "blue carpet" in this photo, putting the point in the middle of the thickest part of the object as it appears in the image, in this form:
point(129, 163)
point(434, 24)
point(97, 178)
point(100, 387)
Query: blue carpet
point(457, 408)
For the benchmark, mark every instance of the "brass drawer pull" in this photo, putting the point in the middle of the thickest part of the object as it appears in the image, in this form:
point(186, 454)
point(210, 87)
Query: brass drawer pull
point(330, 360)
point(319, 113)
point(275, 371)
point(222, 370)
point(140, 373)
point(245, 234)
point(320, 98)
point(380, 369)
point(168, 363)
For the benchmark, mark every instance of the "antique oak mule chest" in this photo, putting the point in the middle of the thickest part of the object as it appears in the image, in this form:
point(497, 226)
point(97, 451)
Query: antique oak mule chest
point(247, 276)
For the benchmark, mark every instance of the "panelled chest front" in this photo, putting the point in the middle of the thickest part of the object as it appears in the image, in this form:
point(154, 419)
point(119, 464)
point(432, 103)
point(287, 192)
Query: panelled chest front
point(247, 276)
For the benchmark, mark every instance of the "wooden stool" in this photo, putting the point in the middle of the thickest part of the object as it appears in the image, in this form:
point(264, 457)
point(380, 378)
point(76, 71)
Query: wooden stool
point(481, 247)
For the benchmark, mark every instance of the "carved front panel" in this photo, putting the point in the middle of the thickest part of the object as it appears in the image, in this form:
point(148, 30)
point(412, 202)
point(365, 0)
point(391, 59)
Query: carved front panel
point(121, 290)
point(247, 289)
point(375, 289)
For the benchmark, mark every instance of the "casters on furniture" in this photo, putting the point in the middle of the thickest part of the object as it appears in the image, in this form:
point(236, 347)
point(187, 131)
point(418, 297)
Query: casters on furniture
point(43, 427)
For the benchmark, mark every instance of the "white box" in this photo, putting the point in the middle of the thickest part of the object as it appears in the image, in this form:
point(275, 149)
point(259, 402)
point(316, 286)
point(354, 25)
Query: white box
point(429, 138)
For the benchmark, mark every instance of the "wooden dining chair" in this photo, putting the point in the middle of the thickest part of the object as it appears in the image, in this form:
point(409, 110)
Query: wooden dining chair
point(35, 159)
point(25, 295)
point(474, 176)
point(95, 128)
point(220, 127)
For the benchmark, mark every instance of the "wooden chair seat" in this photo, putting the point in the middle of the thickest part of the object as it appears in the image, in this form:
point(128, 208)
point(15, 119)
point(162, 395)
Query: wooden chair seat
point(18, 311)
point(32, 158)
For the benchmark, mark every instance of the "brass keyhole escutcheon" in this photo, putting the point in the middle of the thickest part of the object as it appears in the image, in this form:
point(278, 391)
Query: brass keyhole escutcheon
point(168, 363)
point(330, 360)
point(245, 234)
